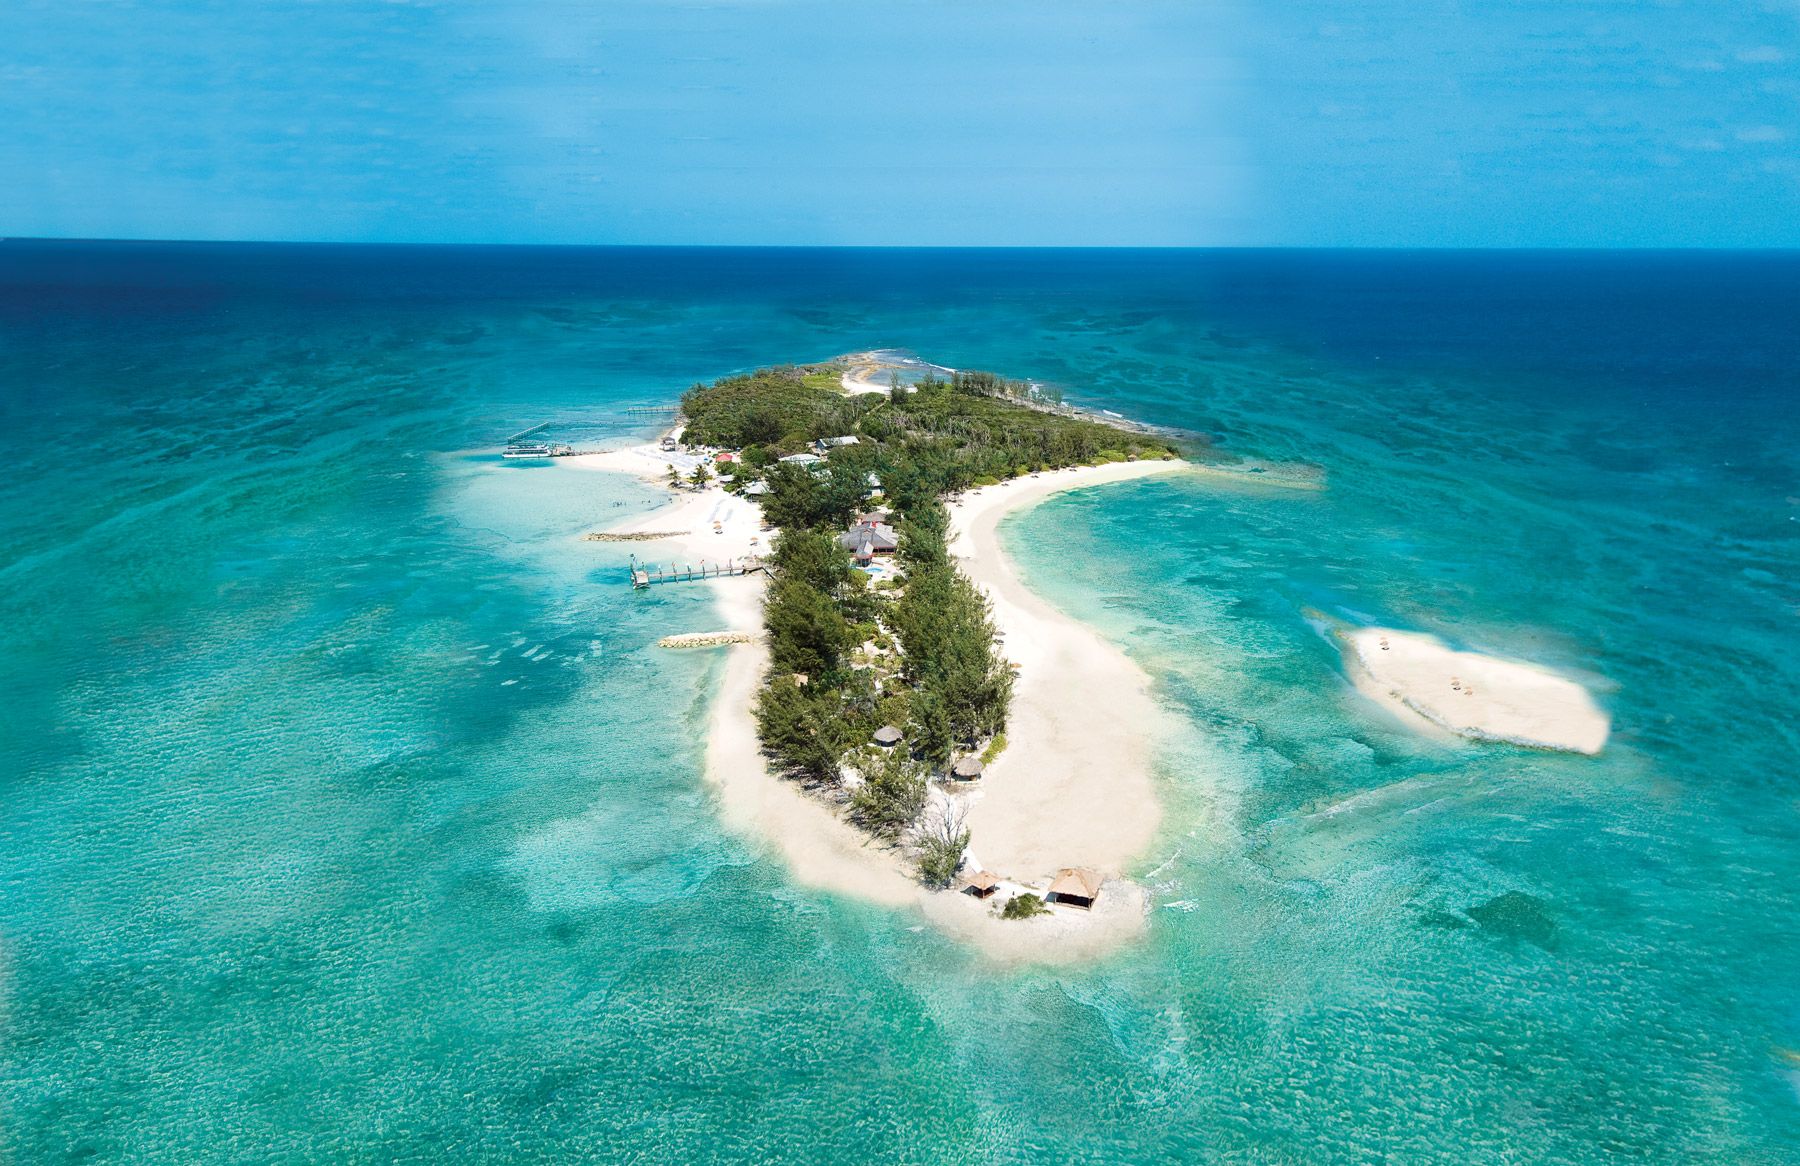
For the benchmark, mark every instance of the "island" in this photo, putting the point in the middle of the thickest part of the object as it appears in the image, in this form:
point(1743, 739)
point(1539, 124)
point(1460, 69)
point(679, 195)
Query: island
point(912, 720)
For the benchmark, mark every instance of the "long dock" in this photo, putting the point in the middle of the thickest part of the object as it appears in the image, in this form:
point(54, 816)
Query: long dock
point(522, 434)
point(646, 574)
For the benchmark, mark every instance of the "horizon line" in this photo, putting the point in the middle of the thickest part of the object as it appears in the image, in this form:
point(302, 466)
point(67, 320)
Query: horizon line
point(1111, 247)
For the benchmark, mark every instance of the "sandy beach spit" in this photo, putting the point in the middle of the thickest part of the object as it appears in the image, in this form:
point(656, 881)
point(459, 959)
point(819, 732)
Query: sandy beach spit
point(1074, 786)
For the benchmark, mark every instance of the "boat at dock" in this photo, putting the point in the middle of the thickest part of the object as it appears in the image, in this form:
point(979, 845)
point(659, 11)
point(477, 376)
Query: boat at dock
point(537, 449)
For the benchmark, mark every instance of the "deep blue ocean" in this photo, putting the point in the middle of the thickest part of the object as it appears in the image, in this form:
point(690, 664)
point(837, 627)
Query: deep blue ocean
point(348, 814)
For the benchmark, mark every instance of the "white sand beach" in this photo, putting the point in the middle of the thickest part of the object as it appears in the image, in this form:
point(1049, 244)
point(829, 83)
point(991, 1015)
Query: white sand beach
point(1074, 786)
point(1073, 789)
point(1434, 687)
point(688, 519)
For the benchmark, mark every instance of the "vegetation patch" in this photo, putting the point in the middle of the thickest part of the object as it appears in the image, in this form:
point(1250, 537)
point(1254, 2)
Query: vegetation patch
point(1024, 906)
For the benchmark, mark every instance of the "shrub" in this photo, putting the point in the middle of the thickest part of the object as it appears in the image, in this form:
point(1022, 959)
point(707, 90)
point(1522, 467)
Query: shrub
point(1024, 907)
point(889, 800)
point(942, 843)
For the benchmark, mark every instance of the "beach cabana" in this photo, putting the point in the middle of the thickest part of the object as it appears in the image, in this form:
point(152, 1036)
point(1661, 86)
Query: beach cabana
point(982, 883)
point(888, 736)
point(1075, 887)
point(966, 769)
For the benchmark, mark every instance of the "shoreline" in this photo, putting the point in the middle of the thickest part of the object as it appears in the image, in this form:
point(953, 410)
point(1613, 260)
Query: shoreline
point(1045, 802)
point(1074, 786)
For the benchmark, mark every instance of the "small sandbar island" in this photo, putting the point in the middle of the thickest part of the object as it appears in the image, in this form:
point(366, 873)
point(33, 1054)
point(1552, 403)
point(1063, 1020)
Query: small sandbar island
point(1483, 698)
point(899, 717)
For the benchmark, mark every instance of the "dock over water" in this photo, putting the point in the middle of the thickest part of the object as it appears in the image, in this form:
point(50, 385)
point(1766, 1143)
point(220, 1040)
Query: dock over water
point(649, 574)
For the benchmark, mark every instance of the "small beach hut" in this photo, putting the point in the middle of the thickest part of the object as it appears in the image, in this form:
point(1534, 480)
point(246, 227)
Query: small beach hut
point(966, 769)
point(1076, 887)
point(982, 883)
point(888, 736)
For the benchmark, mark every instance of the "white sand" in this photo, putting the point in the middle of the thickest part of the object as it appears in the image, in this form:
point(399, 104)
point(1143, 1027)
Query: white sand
point(1431, 685)
point(1074, 786)
point(647, 460)
point(856, 381)
point(688, 517)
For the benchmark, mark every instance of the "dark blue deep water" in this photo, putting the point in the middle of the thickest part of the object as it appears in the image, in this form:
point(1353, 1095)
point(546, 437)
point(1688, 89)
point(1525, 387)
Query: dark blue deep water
point(348, 814)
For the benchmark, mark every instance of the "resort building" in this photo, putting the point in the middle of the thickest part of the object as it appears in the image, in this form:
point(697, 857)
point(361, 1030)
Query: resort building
point(802, 459)
point(887, 736)
point(1075, 887)
point(982, 883)
point(868, 538)
point(825, 444)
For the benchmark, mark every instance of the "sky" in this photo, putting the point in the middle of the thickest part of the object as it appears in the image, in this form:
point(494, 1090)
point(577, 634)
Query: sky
point(1416, 123)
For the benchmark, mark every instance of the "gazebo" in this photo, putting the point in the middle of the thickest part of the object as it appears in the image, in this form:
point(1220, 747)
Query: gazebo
point(966, 769)
point(982, 883)
point(1076, 887)
point(888, 736)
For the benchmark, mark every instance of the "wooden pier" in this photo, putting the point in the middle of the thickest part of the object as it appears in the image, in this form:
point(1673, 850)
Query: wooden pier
point(522, 434)
point(646, 574)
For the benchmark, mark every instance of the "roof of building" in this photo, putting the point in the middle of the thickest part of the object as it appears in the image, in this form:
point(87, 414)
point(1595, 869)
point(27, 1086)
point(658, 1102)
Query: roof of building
point(984, 880)
point(1077, 881)
point(757, 488)
point(967, 767)
point(848, 439)
point(888, 735)
point(802, 459)
point(879, 535)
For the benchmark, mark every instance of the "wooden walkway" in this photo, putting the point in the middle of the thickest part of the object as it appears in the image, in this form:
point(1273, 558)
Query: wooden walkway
point(646, 574)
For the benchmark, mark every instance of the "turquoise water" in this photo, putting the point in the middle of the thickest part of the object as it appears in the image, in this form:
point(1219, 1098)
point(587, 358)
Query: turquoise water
point(349, 814)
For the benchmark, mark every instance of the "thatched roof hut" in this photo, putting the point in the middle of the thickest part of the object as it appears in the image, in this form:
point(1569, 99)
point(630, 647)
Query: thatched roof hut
point(966, 768)
point(981, 884)
point(1076, 887)
point(888, 736)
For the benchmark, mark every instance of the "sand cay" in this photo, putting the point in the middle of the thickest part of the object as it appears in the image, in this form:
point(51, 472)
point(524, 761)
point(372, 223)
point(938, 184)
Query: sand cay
point(1074, 787)
point(1435, 687)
